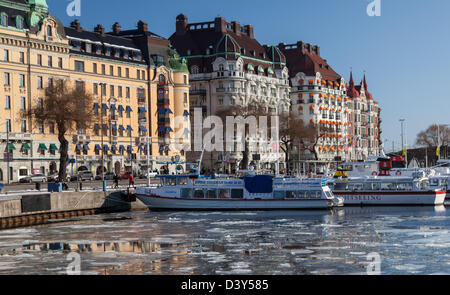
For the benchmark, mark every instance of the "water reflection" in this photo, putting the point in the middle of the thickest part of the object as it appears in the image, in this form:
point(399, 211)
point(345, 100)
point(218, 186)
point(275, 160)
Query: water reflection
point(409, 240)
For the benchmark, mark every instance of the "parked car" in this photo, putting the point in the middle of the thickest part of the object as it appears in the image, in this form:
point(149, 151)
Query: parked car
point(34, 178)
point(144, 175)
point(55, 177)
point(127, 175)
point(108, 176)
point(82, 176)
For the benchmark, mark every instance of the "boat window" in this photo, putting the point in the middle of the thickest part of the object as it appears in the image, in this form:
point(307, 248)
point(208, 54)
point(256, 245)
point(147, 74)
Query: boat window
point(328, 194)
point(312, 194)
point(198, 194)
point(434, 181)
point(237, 193)
point(355, 186)
point(278, 195)
point(387, 186)
point(211, 194)
point(372, 186)
point(224, 194)
point(405, 186)
point(290, 195)
point(301, 194)
point(182, 181)
point(186, 193)
point(171, 181)
point(340, 186)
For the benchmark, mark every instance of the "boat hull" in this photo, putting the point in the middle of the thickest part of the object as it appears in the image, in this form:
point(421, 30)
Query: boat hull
point(170, 203)
point(392, 198)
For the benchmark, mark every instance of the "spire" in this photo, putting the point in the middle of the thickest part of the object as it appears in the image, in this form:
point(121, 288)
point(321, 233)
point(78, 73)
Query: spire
point(351, 90)
point(368, 94)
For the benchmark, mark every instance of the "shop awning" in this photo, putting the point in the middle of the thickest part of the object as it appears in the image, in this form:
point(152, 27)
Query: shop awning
point(78, 147)
point(53, 147)
point(129, 109)
point(130, 148)
point(96, 106)
point(186, 113)
point(142, 129)
point(43, 147)
point(121, 128)
point(142, 110)
point(121, 108)
point(105, 106)
point(114, 148)
point(98, 147)
point(129, 128)
point(106, 147)
point(26, 146)
point(122, 148)
point(86, 147)
point(113, 107)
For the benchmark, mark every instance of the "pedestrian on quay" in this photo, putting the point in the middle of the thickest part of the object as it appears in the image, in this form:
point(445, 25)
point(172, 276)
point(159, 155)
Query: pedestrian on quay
point(116, 181)
point(131, 181)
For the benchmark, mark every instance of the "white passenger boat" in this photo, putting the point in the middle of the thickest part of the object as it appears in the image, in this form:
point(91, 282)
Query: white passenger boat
point(388, 191)
point(257, 192)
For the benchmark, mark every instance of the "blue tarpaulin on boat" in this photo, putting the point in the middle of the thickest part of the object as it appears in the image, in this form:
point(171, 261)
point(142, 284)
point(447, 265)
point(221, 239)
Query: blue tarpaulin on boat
point(259, 184)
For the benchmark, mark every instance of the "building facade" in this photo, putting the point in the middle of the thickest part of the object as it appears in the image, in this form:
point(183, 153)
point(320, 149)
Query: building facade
point(138, 83)
point(228, 66)
point(321, 97)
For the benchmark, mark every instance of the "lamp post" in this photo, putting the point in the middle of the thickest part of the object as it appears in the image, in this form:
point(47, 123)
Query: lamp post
point(103, 87)
point(7, 150)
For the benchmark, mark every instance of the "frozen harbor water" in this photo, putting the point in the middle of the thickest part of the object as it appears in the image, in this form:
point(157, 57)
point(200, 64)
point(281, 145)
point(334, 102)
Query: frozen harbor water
point(413, 240)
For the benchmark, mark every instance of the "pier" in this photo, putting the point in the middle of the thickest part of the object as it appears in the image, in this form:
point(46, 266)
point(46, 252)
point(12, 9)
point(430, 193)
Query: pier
point(26, 209)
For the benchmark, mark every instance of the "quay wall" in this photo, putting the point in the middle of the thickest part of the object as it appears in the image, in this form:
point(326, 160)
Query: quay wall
point(39, 208)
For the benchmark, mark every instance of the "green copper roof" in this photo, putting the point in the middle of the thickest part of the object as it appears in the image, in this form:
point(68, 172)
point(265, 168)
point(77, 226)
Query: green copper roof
point(38, 3)
point(177, 63)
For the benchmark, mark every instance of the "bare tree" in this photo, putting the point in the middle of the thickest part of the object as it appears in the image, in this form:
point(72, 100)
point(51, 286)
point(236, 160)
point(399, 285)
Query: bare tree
point(66, 107)
point(430, 138)
point(245, 111)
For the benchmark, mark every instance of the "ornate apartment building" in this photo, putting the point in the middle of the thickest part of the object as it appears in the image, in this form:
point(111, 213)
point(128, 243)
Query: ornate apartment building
point(228, 66)
point(139, 85)
point(320, 96)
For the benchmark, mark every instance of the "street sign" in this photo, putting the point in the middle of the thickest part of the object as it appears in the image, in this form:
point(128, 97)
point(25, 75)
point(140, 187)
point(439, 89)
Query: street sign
point(8, 157)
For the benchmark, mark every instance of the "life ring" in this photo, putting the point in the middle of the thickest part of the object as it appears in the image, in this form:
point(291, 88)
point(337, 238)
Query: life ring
point(374, 173)
point(398, 173)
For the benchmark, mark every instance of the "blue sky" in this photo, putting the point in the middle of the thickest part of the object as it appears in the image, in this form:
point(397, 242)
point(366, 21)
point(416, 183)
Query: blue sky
point(404, 52)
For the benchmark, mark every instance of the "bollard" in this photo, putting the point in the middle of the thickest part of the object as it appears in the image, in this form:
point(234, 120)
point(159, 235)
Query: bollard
point(104, 185)
point(81, 186)
point(38, 186)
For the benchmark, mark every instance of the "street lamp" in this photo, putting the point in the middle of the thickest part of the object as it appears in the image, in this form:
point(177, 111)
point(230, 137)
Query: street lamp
point(103, 88)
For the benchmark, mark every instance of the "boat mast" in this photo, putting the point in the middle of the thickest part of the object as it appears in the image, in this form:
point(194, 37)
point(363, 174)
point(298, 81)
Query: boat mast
point(200, 161)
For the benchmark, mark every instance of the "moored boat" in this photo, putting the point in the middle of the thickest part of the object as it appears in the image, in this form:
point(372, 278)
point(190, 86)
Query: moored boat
point(388, 191)
point(257, 192)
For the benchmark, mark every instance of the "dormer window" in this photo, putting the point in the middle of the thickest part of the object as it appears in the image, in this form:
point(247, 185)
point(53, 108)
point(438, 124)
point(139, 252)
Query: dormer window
point(19, 22)
point(4, 19)
point(117, 52)
point(108, 51)
point(252, 52)
point(49, 31)
point(221, 68)
point(242, 50)
point(76, 45)
point(126, 54)
point(98, 49)
point(137, 55)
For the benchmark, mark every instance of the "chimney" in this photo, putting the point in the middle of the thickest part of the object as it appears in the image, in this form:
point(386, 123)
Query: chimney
point(76, 25)
point(220, 25)
point(236, 28)
point(282, 46)
point(142, 26)
point(317, 50)
point(100, 29)
point(249, 29)
point(309, 47)
point(301, 46)
point(117, 28)
point(181, 24)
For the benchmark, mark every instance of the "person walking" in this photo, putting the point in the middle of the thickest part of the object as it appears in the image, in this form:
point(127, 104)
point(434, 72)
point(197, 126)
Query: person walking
point(116, 181)
point(131, 181)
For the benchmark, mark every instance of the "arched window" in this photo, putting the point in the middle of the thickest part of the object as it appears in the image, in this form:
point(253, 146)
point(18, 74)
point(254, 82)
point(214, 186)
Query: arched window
point(4, 20)
point(49, 31)
point(221, 67)
point(162, 79)
point(1, 175)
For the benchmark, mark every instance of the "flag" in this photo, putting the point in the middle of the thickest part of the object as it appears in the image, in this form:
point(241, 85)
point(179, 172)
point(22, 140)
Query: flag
point(438, 151)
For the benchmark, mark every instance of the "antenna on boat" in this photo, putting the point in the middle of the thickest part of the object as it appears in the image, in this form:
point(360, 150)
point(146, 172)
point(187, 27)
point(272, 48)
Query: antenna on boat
point(200, 161)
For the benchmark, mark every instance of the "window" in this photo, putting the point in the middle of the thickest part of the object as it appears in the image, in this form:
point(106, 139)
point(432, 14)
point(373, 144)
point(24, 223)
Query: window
point(39, 83)
point(103, 70)
point(111, 90)
point(50, 61)
point(22, 81)
point(94, 68)
point(185, 79)
point(22, 103)
point(119, 91)
point(6, 55)
point(4, 20)
point(23, 126)
point(51, 127)
point(8, 125)
point(127, 94)
point(22, 58)
point(39, 59)
point(7, 102)
point(103, 89)
point(40, 103)
point(138, 74)
point(127, 72)
point(95, 89)
point(79, 85)
point(185, 99)
point(7, 79)
point(49, 31)
point(111, 70)
point(41, 128)
point(119, 71)
point(60, 62)
point(79, 66)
